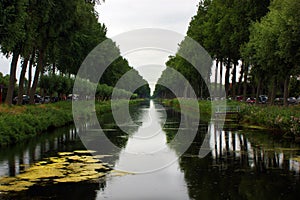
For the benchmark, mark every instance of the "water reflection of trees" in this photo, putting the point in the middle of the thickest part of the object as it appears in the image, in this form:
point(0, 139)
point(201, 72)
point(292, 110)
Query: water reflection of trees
point(112, 131)
point(114, 138)
point(14, 160)
point(238, 168)
point(235, 146)
point(17, 158)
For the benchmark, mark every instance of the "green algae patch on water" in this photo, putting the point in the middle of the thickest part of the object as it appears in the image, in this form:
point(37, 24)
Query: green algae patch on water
point(84, 152)
point(120, 173)
point(65, 153)
point(67, 167)
point(37, 173)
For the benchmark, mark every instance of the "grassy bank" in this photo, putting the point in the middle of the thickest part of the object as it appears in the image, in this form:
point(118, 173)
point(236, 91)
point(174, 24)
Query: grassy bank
point(18, 123)
point(284, 119)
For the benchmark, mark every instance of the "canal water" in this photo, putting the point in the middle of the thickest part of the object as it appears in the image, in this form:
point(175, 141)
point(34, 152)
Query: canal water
point(242, 164)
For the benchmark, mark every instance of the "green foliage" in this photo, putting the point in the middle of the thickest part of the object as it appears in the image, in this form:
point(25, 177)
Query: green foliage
point(273, 118)
point(55, 34)
point(12, 19)
point(104, 92)
point(222, 28)
point(4, 80)
point(187, 105)
point(56, 84)
point(19, 123)
point(285, 119)
point(22, 122)
point(58, 35)
point(273, 49)
point(295, 126)
point(294, 87)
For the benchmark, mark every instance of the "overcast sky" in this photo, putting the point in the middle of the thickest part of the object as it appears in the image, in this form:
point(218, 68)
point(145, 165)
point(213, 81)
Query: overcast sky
point(125, 15)
point(121, 16)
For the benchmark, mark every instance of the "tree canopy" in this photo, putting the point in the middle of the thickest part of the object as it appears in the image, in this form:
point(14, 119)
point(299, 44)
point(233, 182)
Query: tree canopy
point(52, 36)
point(258, 37)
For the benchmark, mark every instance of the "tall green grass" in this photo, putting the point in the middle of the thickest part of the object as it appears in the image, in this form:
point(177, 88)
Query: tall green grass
point(22, 122)
point(18, 123)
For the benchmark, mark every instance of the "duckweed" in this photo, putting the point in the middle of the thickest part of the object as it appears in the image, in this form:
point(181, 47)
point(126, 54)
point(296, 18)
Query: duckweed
point(66, 167)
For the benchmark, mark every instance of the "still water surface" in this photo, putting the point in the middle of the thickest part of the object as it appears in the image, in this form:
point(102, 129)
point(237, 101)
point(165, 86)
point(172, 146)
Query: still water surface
point(242, 164)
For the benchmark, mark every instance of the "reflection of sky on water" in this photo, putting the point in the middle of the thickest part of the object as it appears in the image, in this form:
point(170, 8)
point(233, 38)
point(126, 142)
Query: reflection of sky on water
point(147, 140)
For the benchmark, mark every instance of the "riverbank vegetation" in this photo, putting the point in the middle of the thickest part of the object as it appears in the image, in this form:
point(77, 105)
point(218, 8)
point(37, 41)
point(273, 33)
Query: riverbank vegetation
point(22, 122)
point(280, 118)
point(19, 123)
point(284, 120)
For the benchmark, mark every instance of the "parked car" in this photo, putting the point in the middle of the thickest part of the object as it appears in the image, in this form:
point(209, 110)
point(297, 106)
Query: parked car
point(54, 99)
point(73, 97)
point(298, 100)
point(239, 98)
point(38, 99)
point(291, 100)
point(263, 99)
point(278, 101)
point(25, 100)
point(47, 99)
point(251, 100)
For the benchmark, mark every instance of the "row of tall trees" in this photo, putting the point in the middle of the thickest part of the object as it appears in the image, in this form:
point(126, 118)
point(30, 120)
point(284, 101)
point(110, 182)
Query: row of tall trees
point(50, 35)
point(273, 50)
point(258, 36)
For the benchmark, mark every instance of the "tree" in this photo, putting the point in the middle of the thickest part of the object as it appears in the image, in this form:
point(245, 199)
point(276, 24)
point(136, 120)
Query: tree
point(12, 34)
point(275, 43)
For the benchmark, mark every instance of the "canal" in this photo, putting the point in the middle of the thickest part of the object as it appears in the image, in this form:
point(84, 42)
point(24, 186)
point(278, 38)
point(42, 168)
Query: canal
point(242, 164)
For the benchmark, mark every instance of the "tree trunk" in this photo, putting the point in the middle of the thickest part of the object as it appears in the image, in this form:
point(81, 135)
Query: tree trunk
point(30, 71)
point(233, 80)
point(241, 79)
point(246, 70)
point(221, 77)
point(21, 81)
point(216, 79)
point(53, 69)
point(273, 91)
point(12, 79)
point(29, 78)
point(286, 89)
point(227, 77)
point(258, 90)
point(38, 70)
point(208, 82)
